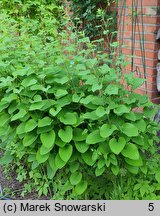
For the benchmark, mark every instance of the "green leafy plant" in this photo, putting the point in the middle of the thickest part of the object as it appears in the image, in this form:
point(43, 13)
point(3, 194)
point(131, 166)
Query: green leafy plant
point(95, 18)
point(64, 111)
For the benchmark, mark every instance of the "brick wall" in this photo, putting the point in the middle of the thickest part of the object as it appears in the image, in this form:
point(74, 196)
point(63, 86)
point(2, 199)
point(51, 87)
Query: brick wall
point(138, 34)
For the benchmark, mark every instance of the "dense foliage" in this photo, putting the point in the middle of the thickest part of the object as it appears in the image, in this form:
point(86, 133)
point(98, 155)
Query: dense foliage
point(67, 123)
point(65, 115)
point(38, 16)
point(95, 18)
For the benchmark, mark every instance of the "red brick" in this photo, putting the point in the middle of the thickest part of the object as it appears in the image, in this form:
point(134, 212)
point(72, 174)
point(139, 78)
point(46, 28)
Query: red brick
point(139, 53)
point(148, 62)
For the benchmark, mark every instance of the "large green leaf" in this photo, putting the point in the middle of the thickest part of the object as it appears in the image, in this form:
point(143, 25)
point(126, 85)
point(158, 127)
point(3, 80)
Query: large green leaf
point(100, 111)
point(44, 122)
point(29, 81)
point(87, 157)
point(62, 80)
point(130, 130)
point(59, 142)
point(41, 158)
point(21, 128)
point(68, 118)
point(52, 162)
point(111, 89)
point(132, 169)
point(131, 116)
point(50, 172)
point(115, 170)
point(48, 139)
point(117, 145)
point(135, 163)
point(54, 112)
point(59, 162)
point(99, 171)
point(37, 105)
point(74, 166)
point(75, 178)
point(81, 187)
point(82, 147)
point(139, 140)
point(87, 100)
point(141, 125)
point(90, 115)
point(121, 109)
point(79, 134)
point(44, 129)
point(107, 130)
point(4, 119)
point(3, 105)
point(60, 93)
point(29, 139)
point(96, 86)
point(19, 115)
point(61, 102)
point(30, 125)
point(13, 107)
point(66, 152)
point(44, 150)
point(94, 137)
point(131, 151)
point(10, 97)
point(66, 134)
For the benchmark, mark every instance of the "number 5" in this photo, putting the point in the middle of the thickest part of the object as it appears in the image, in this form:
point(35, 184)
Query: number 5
point(151, 206)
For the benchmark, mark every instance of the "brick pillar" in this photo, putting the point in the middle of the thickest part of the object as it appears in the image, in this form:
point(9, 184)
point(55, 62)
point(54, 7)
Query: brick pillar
point(138, 34)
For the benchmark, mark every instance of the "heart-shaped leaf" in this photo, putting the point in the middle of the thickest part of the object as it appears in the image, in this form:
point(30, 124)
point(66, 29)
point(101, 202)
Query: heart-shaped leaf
point(82, 147)
point(115, 169)
point(21, 128)
point(130, 130)
point(44, 150)
point(94, 137)
point(19, 115)
point(30, 125)
point(48, 139)
point(141, 125)
point(99, 172)
point(54, 112)
point(131, 151)
point(59, 162)
point(131, 162)
point(66, 134)
point(68, 118)
point(79, 134)
point(121, 109)
point(81, 187)
point(41, 158)
point(66, 152)
point(60, 93)
point(44, 122)
point(132, 169)
point(106, 130)
point(100, 111)
point(87, 157)
point(75, 178)
point(52, 162)
point(117, 146)
point(29, 139)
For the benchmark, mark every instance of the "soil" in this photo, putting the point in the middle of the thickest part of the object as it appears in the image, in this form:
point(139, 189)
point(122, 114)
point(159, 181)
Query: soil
point(15, 188)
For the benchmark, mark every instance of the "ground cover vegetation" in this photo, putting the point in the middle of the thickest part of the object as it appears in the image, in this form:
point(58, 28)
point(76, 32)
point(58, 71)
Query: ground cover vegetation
point(67, 124)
